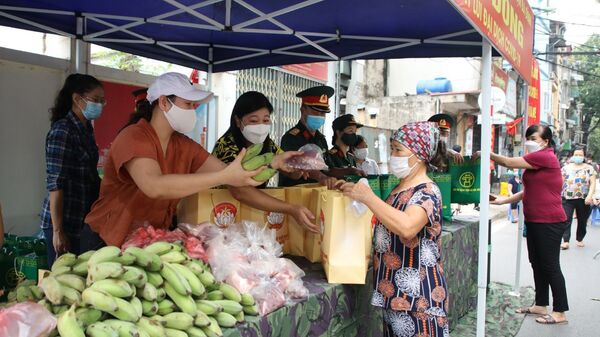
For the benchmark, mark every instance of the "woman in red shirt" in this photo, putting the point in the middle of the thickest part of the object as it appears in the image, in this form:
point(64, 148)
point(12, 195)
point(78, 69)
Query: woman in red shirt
point(544, 218)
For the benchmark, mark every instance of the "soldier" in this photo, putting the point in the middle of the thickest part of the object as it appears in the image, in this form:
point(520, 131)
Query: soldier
point(315, 104)
point(445, 123)
point(339, 158)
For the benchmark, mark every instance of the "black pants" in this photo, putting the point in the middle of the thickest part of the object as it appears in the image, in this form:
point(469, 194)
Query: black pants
point(73, 241)
point(90, 240)
point(583, 214)
point(543, 245)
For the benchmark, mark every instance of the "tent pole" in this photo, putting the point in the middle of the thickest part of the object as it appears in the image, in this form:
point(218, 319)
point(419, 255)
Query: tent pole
point(338, 70)
point(517, 284)
point(486, 143)
point(79, 46)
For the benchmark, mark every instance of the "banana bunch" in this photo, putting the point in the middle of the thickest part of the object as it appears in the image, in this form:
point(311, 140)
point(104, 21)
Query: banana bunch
point(141, 292)
point(254, 160)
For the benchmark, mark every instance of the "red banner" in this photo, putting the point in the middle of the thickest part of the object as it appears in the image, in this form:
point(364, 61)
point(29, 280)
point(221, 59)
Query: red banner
point(499, 77)
point(508, 24)
point(533, 104)
point(318, 71)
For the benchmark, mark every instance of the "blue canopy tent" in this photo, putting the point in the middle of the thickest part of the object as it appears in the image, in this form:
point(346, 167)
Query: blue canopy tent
point(221, 35)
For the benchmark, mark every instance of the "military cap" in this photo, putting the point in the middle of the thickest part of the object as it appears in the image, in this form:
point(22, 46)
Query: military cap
point(343, 121)
point(317, 97)
point(444, 121)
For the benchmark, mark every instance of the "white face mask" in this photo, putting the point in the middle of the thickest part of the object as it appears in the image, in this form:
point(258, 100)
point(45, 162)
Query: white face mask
point(181, 120)
point(361, 154)
point(256, 133)
point(532, 146)
point(399, 166)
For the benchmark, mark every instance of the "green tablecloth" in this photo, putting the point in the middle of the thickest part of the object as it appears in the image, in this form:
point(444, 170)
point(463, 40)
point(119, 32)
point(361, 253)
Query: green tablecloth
point(345, 310)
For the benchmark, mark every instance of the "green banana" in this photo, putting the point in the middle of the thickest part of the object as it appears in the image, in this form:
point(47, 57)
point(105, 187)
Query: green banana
point(166, 307)
point(113, 287)
point(179, 321)
point(149, 308)
point(99, 300)
point(185, 303)
point(229, 306)
point(80, 268)
point(125, 329)
point(195, 266)
point(142, 257)
point(251, 310)
point(61, 270)
point(160, 294)
point(125, 311)
point(85, 256)
point(159, 247)
point(71, 280)
point(247, 299)
point(175, 333)
point(126, 258)
point(152, 327)
point(67, 324)
point(104, 270)
point(100, 329)
point(137, 305)
point(72, 296)
point(159, 319)
point(104, 254)
point(213, 328)
point(226, 320)
point(46, 304)
point(59, 309)
point(240, 317)
point(201, 319)
point(265, 175)
point(65, 260)
point(208, 307)
point(207, 279)
point(148, 292)
point(88, 316)
point(230, 293)
point(52, 289)
point(195, 285)
point(178, 282)
point(24, 294)
point(134, 275)
point(252, 151)
point(174, 257)
point(195, 332)
point(215, 295)
point(155, 279)
point(255, 163)
point(156, 263)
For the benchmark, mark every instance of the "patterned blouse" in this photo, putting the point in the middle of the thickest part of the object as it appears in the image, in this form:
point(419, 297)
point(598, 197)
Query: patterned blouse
point(576, 181)
point(408, 275)
point(226, 149)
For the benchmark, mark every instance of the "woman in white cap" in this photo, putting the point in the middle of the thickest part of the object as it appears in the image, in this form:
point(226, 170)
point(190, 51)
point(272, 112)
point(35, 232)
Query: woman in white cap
point(152, 165)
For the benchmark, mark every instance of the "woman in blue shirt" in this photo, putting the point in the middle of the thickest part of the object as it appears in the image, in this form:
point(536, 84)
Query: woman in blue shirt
point(72, 178)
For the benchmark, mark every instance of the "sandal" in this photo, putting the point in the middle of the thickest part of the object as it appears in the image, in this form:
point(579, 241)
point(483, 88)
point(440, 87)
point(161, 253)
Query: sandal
point(549, 319)
point(564, 246)
point(580, 244)
point(527, 311)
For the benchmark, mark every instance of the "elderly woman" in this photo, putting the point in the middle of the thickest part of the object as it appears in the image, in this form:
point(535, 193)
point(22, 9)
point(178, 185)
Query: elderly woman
point(544, 219)
point(409, 281)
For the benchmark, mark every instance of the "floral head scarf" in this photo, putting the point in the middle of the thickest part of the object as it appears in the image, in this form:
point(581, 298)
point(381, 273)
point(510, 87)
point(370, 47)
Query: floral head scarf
point(421, 138)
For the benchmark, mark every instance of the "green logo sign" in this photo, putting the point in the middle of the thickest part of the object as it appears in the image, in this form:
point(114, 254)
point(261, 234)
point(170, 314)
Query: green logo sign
point(467, 180)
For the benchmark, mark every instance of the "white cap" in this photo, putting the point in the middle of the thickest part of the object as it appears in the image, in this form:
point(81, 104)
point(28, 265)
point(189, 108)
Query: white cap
point(175, 84)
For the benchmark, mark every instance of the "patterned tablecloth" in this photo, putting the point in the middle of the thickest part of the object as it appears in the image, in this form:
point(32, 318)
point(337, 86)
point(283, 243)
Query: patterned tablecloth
point(345, 310)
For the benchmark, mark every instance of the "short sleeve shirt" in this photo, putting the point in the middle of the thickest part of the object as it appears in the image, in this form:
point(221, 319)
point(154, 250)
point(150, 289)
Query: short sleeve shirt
point(542, 188)
point(122, 206)
point(577, 181)
point(408, 274)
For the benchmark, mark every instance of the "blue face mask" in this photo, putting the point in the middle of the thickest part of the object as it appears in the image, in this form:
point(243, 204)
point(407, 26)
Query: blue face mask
point(92, 110)
point(314, 122)
point(577, 160)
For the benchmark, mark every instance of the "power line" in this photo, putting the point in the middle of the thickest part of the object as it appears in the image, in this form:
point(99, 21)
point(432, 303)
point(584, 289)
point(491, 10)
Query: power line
point(572, 69)
point(568, 23)
point(594, 53)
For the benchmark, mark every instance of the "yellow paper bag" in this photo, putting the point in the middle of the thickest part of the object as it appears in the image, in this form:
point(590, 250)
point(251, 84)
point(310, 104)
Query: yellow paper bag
point(312, 241)
point(272, 220)
point(343, 247)
point(214, 205)
point(299, 195)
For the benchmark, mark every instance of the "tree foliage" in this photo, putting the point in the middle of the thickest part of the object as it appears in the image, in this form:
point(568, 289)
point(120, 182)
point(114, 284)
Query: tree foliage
point(589, 92)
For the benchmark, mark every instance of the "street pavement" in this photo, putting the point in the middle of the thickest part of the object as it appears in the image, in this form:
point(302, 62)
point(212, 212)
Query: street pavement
point(581, 271)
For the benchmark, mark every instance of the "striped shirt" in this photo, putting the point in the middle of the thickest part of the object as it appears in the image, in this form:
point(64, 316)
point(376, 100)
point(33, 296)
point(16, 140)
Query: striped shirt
point(71, 160)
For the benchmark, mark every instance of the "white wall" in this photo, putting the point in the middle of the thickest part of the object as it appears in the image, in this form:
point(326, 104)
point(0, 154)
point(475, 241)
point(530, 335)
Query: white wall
point(403, 74)
point(26, 93)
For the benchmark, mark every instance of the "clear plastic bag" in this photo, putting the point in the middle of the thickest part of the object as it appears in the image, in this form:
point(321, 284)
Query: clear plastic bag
point(268, 297)
point(311, 159)
point(26, 320)
point(358, 207)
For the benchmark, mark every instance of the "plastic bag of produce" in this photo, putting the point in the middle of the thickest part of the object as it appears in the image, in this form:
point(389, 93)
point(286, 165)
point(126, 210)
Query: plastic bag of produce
point(26, 320)
point(311, 159)
point(268, 297)
point(205, 231)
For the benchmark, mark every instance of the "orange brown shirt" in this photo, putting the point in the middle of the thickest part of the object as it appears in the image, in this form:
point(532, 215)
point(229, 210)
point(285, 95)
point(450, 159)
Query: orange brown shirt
point(122, 206)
